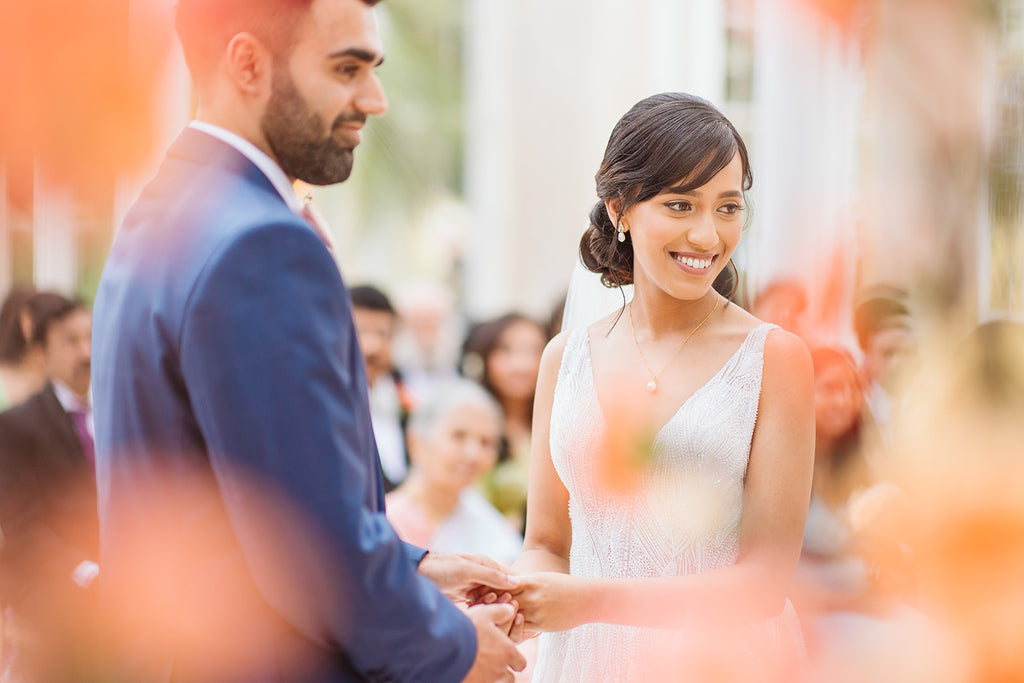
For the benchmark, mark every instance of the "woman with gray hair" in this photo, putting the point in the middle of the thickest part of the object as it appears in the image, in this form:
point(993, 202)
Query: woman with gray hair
point(453, 442)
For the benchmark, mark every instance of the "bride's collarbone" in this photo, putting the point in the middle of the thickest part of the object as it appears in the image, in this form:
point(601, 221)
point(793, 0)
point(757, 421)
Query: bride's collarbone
point(621, 381)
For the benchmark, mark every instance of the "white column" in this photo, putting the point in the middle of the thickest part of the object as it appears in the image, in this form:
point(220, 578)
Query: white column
point(490, 151)
point(807, 92)
point(54, 234)
point(927, 163)
point(545, 84)
point(700, 52)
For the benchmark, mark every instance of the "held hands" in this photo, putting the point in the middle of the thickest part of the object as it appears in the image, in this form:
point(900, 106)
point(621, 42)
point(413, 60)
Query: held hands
point(474, 580)
point(551, 601)
point(496, 654)
point(468, 578)
point(542, 601)
point(546, 601)
point(480, 587)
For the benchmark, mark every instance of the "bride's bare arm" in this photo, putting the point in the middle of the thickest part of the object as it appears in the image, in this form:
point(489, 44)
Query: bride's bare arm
point(775, 502)
point(548, 531)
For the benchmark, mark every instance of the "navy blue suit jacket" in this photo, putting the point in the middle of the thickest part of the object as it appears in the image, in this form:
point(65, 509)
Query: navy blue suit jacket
point(238, 477)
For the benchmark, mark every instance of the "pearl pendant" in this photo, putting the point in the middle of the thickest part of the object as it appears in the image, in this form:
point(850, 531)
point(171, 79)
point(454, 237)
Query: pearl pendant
point(652, 386)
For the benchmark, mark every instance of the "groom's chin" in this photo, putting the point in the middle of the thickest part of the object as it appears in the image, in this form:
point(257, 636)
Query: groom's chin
point(331, 171)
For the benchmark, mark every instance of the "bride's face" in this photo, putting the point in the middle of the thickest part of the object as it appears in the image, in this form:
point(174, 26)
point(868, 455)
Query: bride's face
point(683, 240)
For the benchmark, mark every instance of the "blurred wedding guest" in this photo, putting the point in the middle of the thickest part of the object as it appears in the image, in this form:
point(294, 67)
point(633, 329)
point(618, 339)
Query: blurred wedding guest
point(885, 334)
point(959, 509)
point(830, 576)
point(844, 595)
point(503, 355)
point(453, 442)
point(21, 374)
point(428, 336)
point(48, 508)
point(390, 400)
point(783, 302)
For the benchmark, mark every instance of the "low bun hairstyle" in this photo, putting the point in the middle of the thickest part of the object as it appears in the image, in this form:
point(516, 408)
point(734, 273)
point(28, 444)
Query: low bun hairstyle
point(663, 139)
point(601, 251)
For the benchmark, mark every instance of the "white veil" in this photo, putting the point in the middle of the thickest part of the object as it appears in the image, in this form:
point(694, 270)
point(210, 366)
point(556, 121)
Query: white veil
point(588, 300)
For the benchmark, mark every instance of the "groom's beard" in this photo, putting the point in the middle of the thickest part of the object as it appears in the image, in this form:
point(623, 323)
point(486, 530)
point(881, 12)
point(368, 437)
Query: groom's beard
point(297, 137)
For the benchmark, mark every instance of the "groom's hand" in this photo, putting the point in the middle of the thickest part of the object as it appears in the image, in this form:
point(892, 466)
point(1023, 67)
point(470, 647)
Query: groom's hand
point(465, 578)
point(496, 654)
point(517, 630)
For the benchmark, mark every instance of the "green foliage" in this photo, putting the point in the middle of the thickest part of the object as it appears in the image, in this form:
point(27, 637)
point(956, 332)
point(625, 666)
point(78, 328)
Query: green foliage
point(414, 152)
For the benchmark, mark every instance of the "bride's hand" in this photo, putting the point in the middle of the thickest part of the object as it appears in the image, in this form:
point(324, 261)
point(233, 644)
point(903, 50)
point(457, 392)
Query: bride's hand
point(550, 601)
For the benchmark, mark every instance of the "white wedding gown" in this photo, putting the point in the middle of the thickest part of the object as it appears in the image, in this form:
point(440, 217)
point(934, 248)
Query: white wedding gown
point(684, 519)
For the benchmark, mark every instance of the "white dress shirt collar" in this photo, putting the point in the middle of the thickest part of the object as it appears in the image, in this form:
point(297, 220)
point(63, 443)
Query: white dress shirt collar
point(73, 403)
point(258, 157)
point(69, 400)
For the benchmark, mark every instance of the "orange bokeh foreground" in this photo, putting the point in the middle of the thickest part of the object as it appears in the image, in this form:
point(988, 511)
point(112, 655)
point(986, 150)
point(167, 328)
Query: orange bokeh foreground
point(959, 461)
point(78, 89)
point(943, 534)
point(844, 13)
point(185, 578)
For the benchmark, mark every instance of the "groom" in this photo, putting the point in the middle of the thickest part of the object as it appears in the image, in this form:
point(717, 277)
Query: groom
point(241, 504)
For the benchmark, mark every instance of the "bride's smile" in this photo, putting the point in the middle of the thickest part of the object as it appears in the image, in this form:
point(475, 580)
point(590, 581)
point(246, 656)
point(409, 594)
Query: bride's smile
point(683, 238)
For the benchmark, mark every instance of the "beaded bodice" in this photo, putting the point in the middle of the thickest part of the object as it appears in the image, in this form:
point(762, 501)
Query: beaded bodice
point(683, 516)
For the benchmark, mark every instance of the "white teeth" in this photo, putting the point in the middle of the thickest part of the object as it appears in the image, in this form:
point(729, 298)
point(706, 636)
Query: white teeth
point(694, 262)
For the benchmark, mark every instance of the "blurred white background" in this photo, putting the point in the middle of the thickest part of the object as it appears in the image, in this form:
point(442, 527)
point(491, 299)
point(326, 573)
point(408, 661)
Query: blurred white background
point(884, 138)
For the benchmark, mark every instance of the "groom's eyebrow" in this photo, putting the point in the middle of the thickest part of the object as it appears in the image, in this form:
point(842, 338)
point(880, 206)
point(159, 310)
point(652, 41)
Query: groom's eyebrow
point(359, 53)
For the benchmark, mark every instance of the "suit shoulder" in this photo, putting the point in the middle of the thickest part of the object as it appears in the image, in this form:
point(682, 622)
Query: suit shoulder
point(29, 409)
point(190, 203)
point(20, 422)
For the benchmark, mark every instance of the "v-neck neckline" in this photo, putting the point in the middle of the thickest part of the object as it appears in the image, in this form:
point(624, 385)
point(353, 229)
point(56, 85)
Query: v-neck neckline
point(686, 402)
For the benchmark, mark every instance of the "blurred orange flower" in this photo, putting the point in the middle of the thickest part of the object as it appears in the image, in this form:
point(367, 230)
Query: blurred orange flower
point(78, 90)
point(844, 13)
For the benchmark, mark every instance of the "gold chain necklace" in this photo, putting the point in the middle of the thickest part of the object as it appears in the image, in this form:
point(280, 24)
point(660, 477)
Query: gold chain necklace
point(652, 386)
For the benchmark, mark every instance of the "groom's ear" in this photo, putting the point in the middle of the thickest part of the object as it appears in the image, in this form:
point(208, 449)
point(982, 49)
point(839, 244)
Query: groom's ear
point(248, 65)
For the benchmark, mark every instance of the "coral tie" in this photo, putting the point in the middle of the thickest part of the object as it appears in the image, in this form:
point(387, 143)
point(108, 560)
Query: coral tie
point(319, 225)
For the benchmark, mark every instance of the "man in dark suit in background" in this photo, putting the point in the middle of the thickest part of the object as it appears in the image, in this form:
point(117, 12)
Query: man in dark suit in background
point(241, 503)
point(48, 495)
point(390, 400)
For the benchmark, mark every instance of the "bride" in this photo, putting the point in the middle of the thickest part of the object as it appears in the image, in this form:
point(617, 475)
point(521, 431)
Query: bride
point(673, 439)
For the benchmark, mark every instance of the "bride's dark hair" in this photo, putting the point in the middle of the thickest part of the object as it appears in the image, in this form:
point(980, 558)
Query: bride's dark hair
point(662, 139)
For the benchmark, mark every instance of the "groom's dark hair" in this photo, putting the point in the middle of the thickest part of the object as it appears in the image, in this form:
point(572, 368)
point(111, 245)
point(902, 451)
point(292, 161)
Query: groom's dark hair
point(205, 27)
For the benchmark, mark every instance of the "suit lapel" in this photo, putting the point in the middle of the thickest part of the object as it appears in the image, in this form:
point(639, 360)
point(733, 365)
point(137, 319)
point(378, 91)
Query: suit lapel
point(64, 428)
